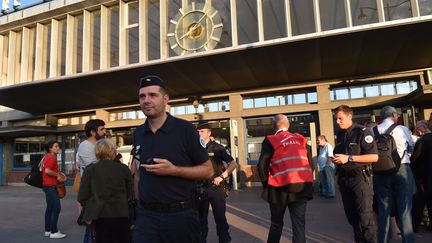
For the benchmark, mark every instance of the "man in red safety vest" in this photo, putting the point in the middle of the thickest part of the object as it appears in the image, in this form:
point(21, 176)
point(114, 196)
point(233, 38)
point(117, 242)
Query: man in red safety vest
point(286, 174)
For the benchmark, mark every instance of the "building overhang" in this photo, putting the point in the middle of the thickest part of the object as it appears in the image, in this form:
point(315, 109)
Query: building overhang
point(340, 56)
point(421, 96)
point(27, 131)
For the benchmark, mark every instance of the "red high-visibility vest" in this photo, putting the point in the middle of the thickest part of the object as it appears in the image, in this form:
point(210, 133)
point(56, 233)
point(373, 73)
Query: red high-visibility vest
point(289, 163)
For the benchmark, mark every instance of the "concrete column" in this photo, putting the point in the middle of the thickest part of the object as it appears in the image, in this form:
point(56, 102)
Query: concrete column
point(103, 115)
point(325, 114)
point(427, 113)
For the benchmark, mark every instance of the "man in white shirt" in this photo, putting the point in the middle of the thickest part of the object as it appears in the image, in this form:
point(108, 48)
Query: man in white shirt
point(326, 167)
point(86, 155)
point(398, 187)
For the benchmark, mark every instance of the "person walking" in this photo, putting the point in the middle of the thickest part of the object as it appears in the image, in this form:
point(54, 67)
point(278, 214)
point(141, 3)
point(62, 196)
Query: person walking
point(172, 160)
point(355, 150)
point(326, 167)
point(105, 190)
point(286, 175)
point(50, 177)
point(214, 189)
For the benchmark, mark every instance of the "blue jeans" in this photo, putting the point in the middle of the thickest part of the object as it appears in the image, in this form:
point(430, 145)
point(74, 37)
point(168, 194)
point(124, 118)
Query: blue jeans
point(155, 227)
point(327, 181)
point(398, 188)
point(53, 208)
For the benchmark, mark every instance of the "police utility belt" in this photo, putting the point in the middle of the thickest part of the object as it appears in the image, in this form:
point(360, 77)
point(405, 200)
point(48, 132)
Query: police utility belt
point(349, 171)
point(168, 207)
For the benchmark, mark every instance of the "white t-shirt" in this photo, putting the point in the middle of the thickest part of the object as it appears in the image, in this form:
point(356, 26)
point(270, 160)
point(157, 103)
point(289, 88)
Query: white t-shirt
point(86, 155)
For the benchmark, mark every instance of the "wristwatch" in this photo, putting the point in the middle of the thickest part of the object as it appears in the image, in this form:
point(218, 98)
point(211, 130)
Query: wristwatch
point(350, 158)
point(221, 176)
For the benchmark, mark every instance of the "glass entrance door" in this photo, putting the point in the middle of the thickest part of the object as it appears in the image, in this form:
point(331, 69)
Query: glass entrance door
point(258, 128)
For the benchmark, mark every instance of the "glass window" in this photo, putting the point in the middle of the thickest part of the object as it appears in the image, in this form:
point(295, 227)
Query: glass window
point(300, 99)
point(372, 91)
point(114, 36)
point(260, 102)
point(403, 87)
point(224, 10)
point(133, 47)
point(63, 24)
point(331, 94)
point(342, 94)
point(302, 17)
point(274, 19)
point(413, 85)
point(289, 100)
point(247, 103)
point(332, 13)
point(154, 30)
point(180, 110)
point(133, 13)
point(363, 12)
point(96, 39)
point(213, 106)
point(312, 97)
point(397, 9)
point(272, 101)
point(356, 92)
point(190, 109)
point(387, 89)
point(79, 39)
point(425, 7)
point(27, 151)
point(247, 23)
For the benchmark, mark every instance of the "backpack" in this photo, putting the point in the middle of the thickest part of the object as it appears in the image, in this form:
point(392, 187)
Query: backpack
point(388, 157)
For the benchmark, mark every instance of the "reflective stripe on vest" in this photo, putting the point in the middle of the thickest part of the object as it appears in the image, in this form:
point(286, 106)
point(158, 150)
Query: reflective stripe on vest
point(289, 163)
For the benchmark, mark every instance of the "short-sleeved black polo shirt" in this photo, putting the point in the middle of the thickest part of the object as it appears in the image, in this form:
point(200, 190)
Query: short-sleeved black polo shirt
point(177, 141)
point(356, 140)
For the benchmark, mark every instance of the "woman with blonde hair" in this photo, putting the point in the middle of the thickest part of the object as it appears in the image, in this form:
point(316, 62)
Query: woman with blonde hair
point(105, 189)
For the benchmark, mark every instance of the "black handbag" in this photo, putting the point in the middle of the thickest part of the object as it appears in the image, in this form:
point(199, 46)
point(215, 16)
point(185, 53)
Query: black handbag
point(34, 178)
point(80, 218)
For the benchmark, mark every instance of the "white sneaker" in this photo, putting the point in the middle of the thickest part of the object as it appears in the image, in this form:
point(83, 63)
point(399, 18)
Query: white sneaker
point(47, 233)
point(57, 235)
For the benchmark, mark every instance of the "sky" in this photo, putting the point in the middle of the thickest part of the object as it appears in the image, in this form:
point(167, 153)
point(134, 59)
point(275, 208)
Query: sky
point(23, 2)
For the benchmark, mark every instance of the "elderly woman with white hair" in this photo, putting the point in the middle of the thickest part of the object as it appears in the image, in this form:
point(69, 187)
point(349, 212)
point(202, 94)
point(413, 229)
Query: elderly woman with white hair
point(105, 189)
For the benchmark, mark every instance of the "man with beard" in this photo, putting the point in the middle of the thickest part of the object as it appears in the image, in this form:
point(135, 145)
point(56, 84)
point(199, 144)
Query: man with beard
point(95, 130)
point(172, 158)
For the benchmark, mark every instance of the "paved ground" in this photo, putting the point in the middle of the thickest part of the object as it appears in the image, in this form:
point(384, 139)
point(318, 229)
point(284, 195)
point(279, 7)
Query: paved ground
point(22, 209)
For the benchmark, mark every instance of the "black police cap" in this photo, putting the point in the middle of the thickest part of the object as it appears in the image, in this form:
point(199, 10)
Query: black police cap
point(150, 80)
point(203, 125)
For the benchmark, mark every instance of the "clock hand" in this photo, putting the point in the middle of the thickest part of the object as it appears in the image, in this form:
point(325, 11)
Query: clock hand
point(189, 31)
point(194, 27)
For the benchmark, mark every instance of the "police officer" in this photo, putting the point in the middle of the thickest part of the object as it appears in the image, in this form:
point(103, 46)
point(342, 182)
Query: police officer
point(171, 161)
point(215, 188)
point(354, 152)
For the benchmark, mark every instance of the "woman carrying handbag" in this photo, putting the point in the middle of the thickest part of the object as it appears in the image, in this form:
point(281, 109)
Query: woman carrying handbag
point(50, 178)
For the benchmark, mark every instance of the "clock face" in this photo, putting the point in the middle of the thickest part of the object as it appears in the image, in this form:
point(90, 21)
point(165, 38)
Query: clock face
point(195, 28)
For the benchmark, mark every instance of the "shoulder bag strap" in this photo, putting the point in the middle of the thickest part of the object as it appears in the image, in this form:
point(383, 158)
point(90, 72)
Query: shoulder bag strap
point(375, 130)
point(390, 129)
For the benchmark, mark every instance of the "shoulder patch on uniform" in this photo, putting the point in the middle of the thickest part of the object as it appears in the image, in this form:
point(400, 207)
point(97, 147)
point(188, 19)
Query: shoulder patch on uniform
point(368, 139)
point(202, 142)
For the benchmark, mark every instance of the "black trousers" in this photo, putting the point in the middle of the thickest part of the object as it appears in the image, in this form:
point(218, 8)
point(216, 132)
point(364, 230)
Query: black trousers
point(420, 199)
point(297, 212)
point(112, 230)
point(215, 198)
point(357, 197)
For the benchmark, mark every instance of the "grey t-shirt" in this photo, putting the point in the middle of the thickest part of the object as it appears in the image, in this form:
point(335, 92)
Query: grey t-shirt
point(86, 155)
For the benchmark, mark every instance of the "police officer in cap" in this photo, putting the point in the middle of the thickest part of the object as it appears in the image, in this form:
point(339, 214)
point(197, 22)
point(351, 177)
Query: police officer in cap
point(215, 188)
point(354, 152)
point(171, 160)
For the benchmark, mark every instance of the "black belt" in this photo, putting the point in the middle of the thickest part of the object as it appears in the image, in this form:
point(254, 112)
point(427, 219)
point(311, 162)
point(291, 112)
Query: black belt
point(168, 207)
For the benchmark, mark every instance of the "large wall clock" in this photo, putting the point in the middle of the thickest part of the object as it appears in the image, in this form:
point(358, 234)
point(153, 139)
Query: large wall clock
point(196, 27)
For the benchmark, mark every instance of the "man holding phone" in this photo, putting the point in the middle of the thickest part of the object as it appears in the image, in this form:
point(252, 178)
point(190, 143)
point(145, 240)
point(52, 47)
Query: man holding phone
point(171, 160)
point(354, 152)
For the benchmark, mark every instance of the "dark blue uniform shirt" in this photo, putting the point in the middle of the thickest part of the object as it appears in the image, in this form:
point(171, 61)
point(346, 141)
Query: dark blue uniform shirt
point(177, 141)
point(356, 140)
